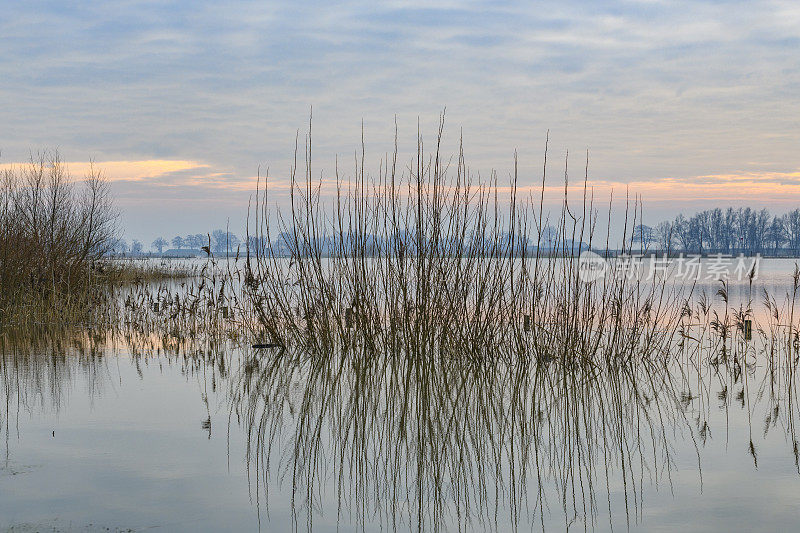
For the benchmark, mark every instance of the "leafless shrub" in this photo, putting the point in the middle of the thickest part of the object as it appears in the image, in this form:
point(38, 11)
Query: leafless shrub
point(52, 232)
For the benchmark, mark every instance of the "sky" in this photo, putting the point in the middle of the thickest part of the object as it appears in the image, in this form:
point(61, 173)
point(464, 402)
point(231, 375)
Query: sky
point(691, 105)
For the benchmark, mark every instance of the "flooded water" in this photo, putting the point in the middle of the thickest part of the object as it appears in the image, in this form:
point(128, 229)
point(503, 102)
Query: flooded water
point(106, 433)
point(111, 440)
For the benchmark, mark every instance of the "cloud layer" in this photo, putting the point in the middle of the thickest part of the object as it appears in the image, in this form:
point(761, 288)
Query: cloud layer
point(695, 101)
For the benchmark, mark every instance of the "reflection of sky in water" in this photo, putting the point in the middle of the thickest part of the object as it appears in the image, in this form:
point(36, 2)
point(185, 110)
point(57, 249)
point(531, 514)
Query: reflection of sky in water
point(130, 451)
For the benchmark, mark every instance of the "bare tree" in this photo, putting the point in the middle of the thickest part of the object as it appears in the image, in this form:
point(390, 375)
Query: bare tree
point(52, 227)
point(159, 244)
point(664, 234)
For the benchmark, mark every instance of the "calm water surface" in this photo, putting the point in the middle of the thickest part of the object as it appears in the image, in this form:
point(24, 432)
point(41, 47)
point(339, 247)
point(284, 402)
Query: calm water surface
point(98, 437)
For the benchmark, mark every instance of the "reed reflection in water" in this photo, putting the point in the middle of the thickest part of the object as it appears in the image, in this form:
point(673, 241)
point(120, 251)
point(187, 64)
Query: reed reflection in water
point(488, 440)
point(698, 431)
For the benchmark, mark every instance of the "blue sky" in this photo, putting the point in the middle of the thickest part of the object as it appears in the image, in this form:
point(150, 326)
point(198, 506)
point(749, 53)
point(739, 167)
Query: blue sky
point(694, 104)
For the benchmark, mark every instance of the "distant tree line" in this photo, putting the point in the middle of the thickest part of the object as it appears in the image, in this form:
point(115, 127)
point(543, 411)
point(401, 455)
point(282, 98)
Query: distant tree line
point(551, 240)
point(726, 231)
point(219, 241)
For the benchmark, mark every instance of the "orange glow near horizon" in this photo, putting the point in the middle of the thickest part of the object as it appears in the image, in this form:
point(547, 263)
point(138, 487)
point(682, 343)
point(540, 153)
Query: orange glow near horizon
point(124, 170)
point(755, 187)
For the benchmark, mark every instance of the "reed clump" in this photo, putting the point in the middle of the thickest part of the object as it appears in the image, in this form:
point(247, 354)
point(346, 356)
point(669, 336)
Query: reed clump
point(438, 342)
point(194, 302)
point(433, 263)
